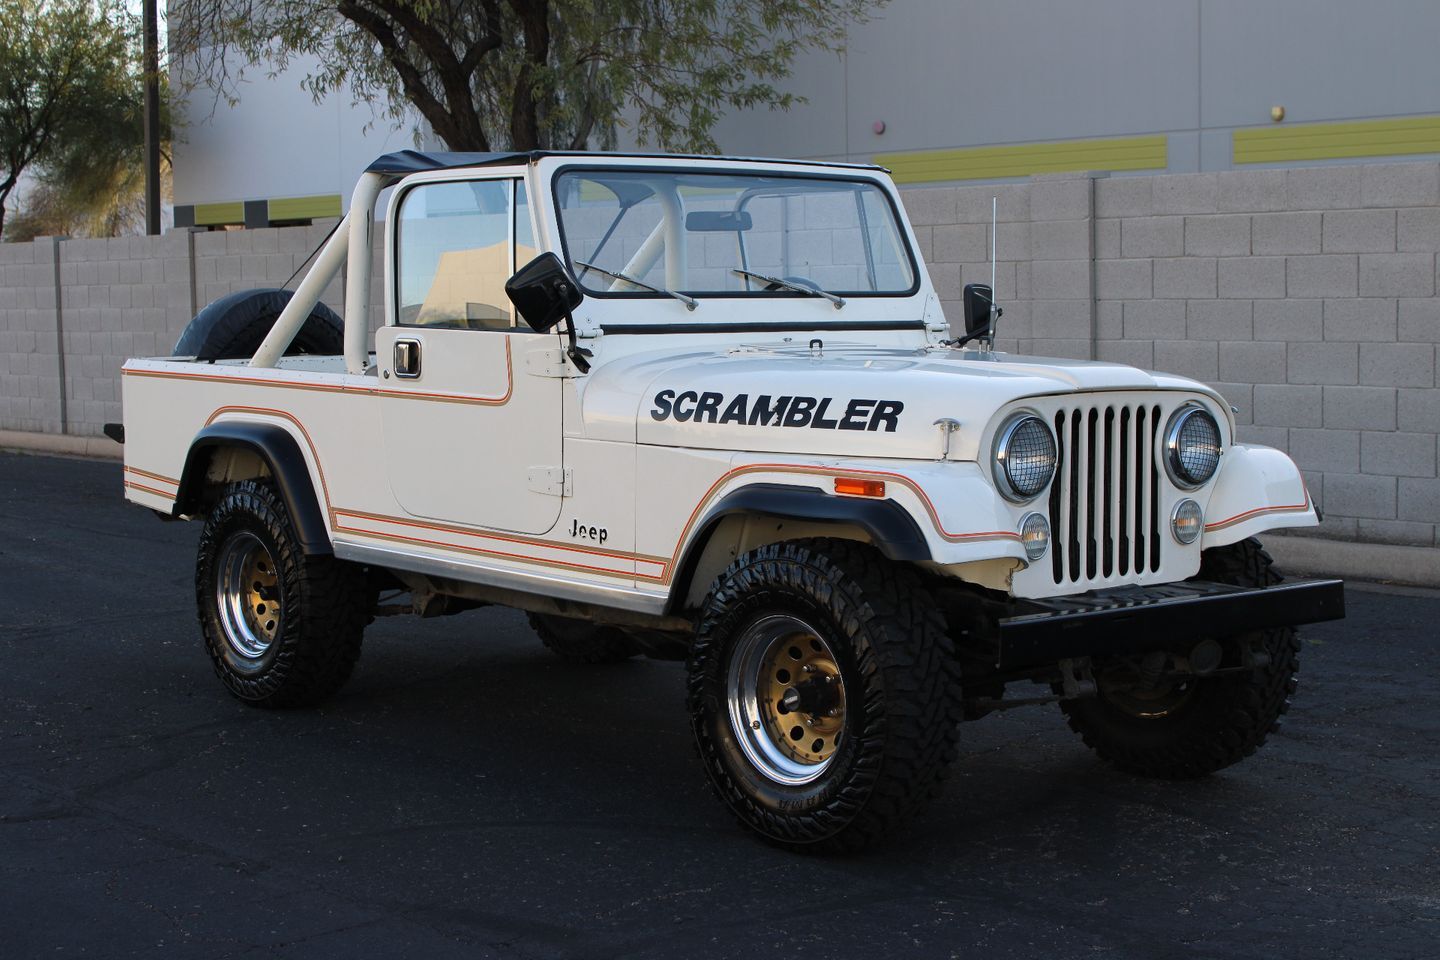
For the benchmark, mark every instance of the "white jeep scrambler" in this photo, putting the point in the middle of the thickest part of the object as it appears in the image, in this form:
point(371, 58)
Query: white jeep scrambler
point(710, 409)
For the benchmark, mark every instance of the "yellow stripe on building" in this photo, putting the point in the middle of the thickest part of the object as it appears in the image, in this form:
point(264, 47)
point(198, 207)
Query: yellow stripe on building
point(1022, 160)
point(305, 208)
point(217, 214)
point(1329, 141)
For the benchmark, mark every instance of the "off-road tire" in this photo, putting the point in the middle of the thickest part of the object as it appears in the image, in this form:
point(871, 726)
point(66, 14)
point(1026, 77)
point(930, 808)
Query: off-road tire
point(324, 602)
point(902, 688)
point(1226, 719)
point(580, 641)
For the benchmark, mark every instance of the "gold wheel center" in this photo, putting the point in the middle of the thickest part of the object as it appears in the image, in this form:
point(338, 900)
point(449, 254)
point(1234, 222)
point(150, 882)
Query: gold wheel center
point(802, 698)
point(261, 590)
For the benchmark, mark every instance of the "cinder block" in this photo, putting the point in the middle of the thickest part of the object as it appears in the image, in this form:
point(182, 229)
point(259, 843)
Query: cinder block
point(1333, 451)
point(929, 206)
point(1419, 229)
point(1186, 193)
point(1060, 279)
point(1259, 278)
point(961, 243)
point(1370, 319)
point(1322, 188)
point(946, 278)
point(1241, 396)
point(1401, 532)
point(1322, 276)
point(1066, 349)
point(1359, 231)
point(1287, 405)
point(1059, 319)
point(1419, 499)
point(1252, 362)
point(1354, 495)
point(1134, 353)
point(1107, 239)
point(1058, 240)
point(1397, 364)
point(1218, 320)
point(1251, 190)
point(1397, 275)
point(1393, 454)
point(1185, 277)
point(1012, 202)
point(1288, 320)
point(1359, 408)
point(1279, 233)
point(1067, 199)
point(1123, 279)
point(1124, 197)
point(1219, 235)
point(1152, 237)
point(1327, 363)
point(1196, 360)
point(1109, 319)
point(1277, 437)
point(1419, 411)
point(1155, 320)
point(1012, 242)
point(1399, 184)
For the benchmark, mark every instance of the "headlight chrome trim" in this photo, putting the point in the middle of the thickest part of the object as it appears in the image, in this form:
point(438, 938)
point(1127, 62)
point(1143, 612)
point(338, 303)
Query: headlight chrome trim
point(1175, 466)
point(1000, 459)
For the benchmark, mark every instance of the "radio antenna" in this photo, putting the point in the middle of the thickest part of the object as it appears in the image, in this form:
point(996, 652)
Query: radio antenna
point(994, 313)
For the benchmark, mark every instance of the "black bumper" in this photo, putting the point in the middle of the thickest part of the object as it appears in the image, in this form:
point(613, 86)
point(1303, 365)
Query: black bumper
point(1170, 616)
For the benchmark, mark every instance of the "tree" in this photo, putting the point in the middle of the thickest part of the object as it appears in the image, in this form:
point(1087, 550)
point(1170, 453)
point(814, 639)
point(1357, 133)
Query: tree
point(61, 64)
point(524, 74)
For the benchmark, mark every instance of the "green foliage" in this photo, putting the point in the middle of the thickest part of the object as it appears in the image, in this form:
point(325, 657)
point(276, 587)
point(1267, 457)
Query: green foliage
point(66, 74)
point(525, 74)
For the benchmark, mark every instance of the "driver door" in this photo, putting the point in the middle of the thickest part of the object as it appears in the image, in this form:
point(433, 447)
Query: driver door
point(471, 438)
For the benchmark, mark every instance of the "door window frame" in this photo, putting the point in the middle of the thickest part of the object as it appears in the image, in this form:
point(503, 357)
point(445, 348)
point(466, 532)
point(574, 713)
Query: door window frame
point(517, 181)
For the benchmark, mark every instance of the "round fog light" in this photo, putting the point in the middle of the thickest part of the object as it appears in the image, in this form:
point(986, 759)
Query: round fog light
point(1186, 520)
point(1035, 535)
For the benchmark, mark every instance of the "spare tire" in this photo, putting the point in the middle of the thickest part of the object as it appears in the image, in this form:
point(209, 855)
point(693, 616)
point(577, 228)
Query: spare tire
point(233, 327)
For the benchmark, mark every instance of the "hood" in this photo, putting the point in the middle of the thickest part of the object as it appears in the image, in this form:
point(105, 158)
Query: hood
point(858, 400)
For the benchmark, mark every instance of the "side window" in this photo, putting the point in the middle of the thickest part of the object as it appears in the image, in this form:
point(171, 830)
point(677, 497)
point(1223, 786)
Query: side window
point(453, 255)
point(525, 249)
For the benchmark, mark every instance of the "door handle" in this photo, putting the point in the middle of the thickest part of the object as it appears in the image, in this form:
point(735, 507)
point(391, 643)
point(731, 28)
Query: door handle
point(407, 358)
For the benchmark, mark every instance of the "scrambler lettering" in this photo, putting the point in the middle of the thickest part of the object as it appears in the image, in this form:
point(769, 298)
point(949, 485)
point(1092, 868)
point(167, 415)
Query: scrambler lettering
point(766, 410)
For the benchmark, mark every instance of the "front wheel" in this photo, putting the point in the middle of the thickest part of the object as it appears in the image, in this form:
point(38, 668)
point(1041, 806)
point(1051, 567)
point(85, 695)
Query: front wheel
point(1188, 727)
point(282, 628)
point(823, 693)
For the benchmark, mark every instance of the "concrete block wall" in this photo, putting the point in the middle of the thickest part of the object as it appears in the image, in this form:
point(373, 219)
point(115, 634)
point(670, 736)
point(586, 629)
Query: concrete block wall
point(1308, 296)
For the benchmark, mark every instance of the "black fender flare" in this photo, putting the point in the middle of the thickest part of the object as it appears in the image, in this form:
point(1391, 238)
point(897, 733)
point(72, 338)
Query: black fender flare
point(891, 527)
point(279, 449)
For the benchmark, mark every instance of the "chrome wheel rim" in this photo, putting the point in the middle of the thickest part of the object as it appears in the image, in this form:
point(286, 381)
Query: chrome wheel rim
point(786, 699)
point(247, 594)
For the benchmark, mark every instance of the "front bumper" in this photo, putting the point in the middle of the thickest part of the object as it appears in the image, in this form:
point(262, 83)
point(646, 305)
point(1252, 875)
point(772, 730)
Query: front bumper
point(1170, 616)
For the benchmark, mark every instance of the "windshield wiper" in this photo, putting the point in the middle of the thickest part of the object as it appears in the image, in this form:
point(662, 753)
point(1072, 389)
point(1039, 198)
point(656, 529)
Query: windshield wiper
point(792, 285)
point(690, 302)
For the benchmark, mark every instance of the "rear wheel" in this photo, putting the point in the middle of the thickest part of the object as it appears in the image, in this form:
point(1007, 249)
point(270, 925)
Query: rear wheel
point(823, 694)
point(1190, 726)
point(282, 628)
point(581, 641)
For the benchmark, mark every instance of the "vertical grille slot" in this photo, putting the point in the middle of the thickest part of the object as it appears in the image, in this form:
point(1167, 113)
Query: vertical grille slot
point(1104, 502)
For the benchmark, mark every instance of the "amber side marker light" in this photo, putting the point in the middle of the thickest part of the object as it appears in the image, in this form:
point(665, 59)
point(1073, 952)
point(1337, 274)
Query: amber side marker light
point(853, 487)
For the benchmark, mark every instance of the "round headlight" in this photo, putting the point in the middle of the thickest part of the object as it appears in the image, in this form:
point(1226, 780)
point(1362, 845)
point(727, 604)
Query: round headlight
point(1024, 457)
point(1192, 446)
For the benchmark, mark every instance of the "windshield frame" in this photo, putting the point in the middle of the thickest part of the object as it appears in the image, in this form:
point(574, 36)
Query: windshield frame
point(902, 230)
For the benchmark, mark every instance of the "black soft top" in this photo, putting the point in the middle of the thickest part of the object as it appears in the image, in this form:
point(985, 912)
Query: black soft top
point(406, 162)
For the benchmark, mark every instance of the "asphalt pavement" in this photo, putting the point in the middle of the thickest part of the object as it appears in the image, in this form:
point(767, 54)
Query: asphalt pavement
point(469, 795)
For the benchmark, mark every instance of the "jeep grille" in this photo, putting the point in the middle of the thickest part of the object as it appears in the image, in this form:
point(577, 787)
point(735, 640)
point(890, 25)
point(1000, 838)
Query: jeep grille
point(1103, 504)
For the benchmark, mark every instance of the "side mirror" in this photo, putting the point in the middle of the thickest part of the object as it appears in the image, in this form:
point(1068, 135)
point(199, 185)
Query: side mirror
point(543, 292)
point(978, 299)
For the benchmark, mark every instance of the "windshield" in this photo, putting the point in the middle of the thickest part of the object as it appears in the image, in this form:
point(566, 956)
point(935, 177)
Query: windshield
point(658, 233)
